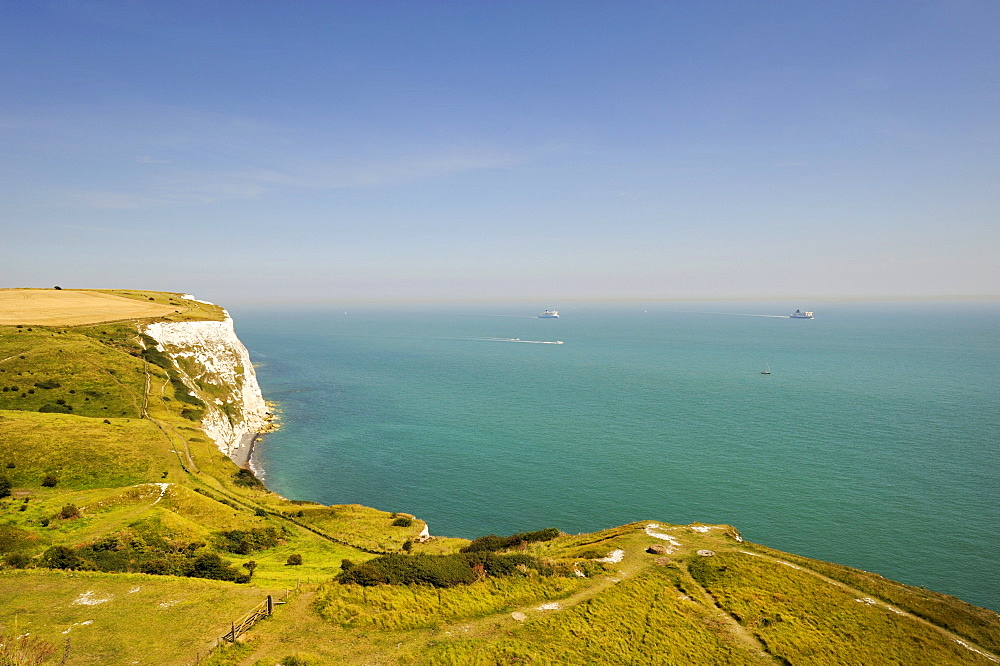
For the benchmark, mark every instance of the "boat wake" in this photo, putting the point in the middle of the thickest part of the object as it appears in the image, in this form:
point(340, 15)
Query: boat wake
point(529, 342)
point(739, 314)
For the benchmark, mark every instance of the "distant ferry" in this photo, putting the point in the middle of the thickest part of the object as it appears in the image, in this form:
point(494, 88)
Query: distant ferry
point(799, 314)
point(549, 314)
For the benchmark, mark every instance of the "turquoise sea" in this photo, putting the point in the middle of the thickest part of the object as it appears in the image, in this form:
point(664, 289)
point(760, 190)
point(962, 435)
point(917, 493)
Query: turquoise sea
point(874, 442)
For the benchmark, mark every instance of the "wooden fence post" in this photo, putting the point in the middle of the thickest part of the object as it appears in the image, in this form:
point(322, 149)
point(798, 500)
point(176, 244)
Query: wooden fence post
point(270, 605)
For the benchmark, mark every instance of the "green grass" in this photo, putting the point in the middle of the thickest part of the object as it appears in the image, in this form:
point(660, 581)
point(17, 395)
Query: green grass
point(805, 619)
point(187, 310)
point(977, 624)
point(401, 607)
point(82, 452)
point(96, 379)
point(639, 621)
point(359, 526)
point(143, 616)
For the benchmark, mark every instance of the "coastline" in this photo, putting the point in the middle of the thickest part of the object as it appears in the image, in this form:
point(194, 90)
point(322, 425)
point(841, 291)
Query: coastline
point(242, 454)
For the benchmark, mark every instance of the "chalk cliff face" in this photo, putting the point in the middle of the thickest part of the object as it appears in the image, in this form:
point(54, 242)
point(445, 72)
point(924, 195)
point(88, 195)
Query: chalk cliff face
point(216, 366)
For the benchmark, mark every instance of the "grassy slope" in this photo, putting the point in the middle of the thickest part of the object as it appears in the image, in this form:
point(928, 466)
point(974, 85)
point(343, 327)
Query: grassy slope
point(745, 605)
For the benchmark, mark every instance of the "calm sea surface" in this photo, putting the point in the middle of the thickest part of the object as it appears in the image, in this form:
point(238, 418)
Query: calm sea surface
point(874, 442)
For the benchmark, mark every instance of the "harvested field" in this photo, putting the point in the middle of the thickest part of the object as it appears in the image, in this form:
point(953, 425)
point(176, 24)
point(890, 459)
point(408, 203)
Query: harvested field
point(70, 307)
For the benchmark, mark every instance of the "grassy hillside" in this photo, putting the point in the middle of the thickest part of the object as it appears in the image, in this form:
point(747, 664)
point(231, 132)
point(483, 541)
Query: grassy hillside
point(126, 537)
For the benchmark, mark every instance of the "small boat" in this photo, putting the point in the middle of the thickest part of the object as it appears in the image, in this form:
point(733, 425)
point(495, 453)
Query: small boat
point(799, 314)
point(767, 371)
point(549, 314)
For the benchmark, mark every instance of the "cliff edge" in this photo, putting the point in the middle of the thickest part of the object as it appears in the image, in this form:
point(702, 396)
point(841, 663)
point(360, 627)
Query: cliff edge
point(216, 366)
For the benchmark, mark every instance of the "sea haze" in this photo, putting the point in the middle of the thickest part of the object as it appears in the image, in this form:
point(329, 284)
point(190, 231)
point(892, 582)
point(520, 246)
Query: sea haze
point(872, 443)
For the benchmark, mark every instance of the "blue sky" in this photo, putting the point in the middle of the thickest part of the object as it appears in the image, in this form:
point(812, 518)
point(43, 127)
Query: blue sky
point(356, 151)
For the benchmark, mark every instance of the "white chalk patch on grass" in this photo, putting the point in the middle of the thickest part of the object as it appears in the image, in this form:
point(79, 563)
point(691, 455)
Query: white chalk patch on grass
point(704, 529)
point(653, 530)
point(168, 604)
point(977, 651)
point(77, 624)
point(90, 598)
point(552, 605)
point(614, 557)
point(134, 589)
point(163, 490)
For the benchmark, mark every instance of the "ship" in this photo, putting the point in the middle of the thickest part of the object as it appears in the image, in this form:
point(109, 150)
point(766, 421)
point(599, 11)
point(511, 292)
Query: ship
point(799, 314)
point(549, 314)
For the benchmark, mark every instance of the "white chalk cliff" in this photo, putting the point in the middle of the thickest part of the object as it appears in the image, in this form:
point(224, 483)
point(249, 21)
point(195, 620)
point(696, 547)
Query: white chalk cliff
point(216, 366)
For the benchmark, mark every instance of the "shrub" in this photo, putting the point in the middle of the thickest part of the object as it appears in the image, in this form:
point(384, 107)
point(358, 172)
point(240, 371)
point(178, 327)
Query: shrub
point(49, 481)
point(5, 486)
point(402, 521)
point(346, 564)
point(193, 414)
point(250, 566)
point(440, 570)
point(210, 565)
point(61, 557)
point(69, 511)
point(246, 478)
point(16, 560)
point(294, 560)
point(294, 660)
point(244, 542)
point(48, 384)
point(49, 408)
point(492, 542)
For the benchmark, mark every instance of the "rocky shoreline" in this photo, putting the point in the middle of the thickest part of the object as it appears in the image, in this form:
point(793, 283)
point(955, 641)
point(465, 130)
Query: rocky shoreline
point(242, 453)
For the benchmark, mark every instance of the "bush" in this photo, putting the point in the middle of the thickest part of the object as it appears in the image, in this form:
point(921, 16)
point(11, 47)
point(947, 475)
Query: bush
point(49, 481)
point(244, 542)
point(294, 660)
point(49, 408)
point(5, 486)
point(210, 565)
point(69, 511)
point(492, 542)
point(61, 557)
point(16, 560)
point(246, 478)
point(193, 414)
point(293, 560)
point(440, 570)
point(48, 384)
point(402, 521)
